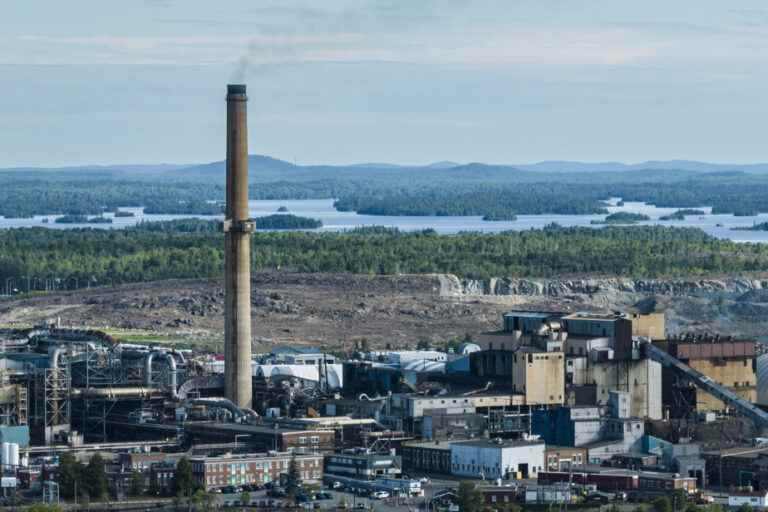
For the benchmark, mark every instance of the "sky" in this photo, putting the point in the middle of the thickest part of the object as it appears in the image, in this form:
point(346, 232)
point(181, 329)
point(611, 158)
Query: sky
point(400, 81)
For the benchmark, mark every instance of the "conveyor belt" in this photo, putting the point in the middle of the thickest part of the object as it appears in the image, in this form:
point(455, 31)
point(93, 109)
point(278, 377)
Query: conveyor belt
point(745, 407)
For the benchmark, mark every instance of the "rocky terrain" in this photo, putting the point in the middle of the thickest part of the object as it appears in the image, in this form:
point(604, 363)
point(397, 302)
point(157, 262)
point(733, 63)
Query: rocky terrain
point(730, 305)
point(338, 310)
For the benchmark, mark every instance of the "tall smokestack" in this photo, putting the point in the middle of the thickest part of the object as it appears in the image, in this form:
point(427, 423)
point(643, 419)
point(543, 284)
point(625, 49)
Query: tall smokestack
point(237, 248)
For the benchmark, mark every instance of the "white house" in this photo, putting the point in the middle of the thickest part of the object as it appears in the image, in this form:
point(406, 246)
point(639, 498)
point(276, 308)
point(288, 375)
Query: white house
point(757, 499)
point(497, 458)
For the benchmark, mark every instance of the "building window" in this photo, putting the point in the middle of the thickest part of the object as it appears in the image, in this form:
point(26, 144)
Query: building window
point(302, 440)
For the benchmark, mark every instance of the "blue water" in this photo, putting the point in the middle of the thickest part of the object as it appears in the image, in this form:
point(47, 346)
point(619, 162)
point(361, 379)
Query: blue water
point(322, 209)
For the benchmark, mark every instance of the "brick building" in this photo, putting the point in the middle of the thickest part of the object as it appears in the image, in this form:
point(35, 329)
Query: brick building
point(561, 458)
point(214, 472)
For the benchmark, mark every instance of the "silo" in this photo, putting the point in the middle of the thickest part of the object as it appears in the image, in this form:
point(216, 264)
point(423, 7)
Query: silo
point(5, 454)
point(13, 460)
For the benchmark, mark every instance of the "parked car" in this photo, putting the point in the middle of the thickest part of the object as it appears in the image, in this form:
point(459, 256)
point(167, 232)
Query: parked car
point(380, 495)
point(335, 485)
point(595, 497)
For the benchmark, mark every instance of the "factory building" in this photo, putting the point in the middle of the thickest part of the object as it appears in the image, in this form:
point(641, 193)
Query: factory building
point(363, 465)
point(428, 457)
point(649, 325)
point(641, 484)
point(497, 458)
point(234, 470)
point(730, 363)
point(535, 376)
point(738, 467)
point(429, 413)
point(266, 438)
point(539, 376)
point(447, 426)
point(564, 458)
point(641, 379)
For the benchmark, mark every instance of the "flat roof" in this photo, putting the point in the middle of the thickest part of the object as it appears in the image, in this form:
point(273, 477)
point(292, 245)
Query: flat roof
point(586, 315)
point(241, 428)
point(234, 457)
point(602, 470)
point(330, 421)
point(739, 451)
point(435, 445)
point(532, 314)
point(506, 443)
point(564, 448)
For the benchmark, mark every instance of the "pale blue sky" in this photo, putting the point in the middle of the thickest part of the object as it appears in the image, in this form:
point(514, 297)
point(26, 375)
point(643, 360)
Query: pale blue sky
point(404, 81)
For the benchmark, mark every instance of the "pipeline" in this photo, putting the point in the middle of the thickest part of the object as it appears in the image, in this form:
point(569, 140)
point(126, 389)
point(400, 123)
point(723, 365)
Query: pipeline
point(250, 413)
point(365, 397)
point(222, 403)
point(53, 359)
point(133, 392)
point(179, 355)
point(171, 365)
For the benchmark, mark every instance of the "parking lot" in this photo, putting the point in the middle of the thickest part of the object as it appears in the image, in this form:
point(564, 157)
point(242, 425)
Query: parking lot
point(333, 499)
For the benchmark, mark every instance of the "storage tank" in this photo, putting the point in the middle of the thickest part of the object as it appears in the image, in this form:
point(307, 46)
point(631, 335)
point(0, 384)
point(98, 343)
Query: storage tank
point(14, 455)
point(5, 454)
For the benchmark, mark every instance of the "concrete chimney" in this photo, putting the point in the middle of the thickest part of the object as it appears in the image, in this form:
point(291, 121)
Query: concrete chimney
point(237, 252)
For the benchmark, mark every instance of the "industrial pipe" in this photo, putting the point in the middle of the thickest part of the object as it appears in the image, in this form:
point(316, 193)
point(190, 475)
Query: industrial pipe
point(137, 392)
point(171, 365)
point(53, 359)
point(221, 403)
point(179, 355)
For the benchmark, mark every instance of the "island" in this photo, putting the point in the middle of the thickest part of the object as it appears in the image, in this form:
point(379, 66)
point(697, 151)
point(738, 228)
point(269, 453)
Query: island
point(763, 226)
point(82, 219)
point(499, 216)
point(123, 213)
point(680, 214)
point(622, 218)
point(282, 209)
point(284, 221)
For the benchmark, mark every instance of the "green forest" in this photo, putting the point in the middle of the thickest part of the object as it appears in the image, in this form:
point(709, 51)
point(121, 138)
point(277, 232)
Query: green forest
point(493, 192)
point(738, 194)
point(81, 257)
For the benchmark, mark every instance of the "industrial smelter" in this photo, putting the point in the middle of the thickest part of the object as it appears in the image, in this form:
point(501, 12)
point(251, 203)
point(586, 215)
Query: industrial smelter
point(238, 227)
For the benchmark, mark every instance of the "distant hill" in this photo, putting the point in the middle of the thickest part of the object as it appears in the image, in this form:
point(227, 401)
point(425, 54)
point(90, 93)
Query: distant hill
point(667, 165)
point(268, 169)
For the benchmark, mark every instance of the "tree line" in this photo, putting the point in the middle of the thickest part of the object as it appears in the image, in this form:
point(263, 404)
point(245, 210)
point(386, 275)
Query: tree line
point(90, 257)
point(732, 193)
point(493, 191)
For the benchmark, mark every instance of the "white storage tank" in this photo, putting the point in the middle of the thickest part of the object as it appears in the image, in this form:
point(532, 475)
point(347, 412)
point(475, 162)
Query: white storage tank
point(14, 456)
point(5, 455)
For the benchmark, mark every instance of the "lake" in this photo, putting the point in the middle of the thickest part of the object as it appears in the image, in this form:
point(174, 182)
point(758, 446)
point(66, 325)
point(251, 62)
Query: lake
point(322, 209)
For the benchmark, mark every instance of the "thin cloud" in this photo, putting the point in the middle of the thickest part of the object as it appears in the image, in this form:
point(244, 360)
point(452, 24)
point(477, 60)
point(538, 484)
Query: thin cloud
point(499, 44)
